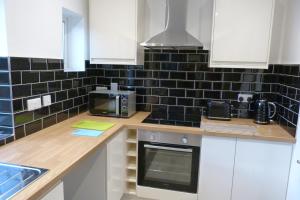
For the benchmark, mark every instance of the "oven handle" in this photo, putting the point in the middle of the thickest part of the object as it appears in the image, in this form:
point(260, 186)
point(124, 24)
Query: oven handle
point(168, 148)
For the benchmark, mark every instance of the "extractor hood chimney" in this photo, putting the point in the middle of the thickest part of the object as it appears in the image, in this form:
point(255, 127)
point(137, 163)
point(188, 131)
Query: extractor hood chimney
point(175, 34)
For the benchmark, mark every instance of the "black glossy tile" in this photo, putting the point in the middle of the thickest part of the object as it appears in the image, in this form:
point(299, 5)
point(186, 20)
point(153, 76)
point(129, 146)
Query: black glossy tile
point(187, 67)
point(197, 58)
point(38, 64)
point(72, 93)
point(212, 94)
point(186, 84)
point(30, 77)
point(169, 66)
point(143, 74)
point(62, 116)
point(185, 101)
point(53, 64)
point(46, 76)
point(33, 127)
point(40, 113)
point(168, 83)
point(235, 77)
point(78, 101)
point(73, 112)
point(179, 58)
point(178, 75)
point(168, 100)
point(4, 63)
point(112, 73)
point(161, 57)
point(23, 118)
point(20, 91)
point(6, 120)
point(213, 76)
point(68, 104)
point(5, 106)
point(16, 78)
point(160, 91)
point(61, 95)
point(17, 63)
point(177, 92)
point(20, 132)
point(49, 121)
point(67, 84)
point(57, 107)
point(4, 78)
point(195, 76)
point(54, 86)
point(39, 88)
point(17, 105)
point(151, 99)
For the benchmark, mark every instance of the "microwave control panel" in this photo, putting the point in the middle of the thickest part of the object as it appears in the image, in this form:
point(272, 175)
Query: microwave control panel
point(124, 104)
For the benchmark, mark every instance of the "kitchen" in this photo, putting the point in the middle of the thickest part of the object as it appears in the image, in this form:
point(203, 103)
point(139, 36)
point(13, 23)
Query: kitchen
point(149, 99)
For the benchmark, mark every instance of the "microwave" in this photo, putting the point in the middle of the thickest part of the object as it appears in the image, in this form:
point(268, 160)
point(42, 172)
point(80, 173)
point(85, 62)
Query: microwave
point(112, 103)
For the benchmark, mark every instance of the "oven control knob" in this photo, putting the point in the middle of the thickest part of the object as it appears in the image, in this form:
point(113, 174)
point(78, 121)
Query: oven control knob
point(184, 140)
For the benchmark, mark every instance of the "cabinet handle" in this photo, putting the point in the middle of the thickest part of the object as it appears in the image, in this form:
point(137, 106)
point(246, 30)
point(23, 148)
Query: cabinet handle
point(298, 162)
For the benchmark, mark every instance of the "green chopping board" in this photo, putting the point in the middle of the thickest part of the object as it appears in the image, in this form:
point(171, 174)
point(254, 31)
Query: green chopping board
point(92, 125)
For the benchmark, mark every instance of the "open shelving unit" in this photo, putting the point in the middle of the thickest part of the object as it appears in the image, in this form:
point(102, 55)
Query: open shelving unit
point(131, 169)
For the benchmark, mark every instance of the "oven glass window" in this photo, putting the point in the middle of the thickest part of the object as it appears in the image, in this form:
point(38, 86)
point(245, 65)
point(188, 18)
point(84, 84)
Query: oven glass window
point(168, 166)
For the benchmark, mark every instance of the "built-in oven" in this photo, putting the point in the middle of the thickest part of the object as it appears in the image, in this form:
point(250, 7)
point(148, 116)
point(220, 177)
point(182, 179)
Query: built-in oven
point(168, 161)
point(112, 103)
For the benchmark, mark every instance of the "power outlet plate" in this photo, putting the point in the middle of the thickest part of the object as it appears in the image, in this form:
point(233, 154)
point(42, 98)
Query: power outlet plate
point(245, 98)
point(33, 104)
point(47, 100)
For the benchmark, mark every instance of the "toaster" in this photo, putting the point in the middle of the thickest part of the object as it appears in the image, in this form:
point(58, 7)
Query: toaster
point(219, 110)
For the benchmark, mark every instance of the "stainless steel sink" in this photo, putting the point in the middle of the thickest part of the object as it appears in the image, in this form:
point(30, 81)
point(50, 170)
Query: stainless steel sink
point(14, 178)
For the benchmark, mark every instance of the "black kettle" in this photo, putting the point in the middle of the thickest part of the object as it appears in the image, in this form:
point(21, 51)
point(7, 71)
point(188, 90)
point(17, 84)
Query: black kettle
point(262, 111)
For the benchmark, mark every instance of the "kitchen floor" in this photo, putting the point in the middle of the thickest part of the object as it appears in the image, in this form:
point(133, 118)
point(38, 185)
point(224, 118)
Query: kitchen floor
point(132, 197)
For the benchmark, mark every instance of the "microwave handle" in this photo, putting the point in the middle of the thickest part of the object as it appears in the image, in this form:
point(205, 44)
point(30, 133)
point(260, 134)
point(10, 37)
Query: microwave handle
point(117, 105)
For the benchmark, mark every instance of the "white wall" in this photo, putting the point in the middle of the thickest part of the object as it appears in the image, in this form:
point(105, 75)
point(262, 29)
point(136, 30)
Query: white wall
point(80, 7)
point(3, 39)
point(32, 28)
point(285, 47)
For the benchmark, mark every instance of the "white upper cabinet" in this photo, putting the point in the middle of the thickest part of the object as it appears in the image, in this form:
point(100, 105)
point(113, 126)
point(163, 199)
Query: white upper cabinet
point(241, 33)
point(31, 28)
point(114, 32)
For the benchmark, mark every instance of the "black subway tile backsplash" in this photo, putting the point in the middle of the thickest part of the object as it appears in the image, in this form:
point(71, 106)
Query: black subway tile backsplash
point(172, 84)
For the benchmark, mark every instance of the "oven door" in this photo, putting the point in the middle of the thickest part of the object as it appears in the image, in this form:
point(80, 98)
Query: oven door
point(104, 104)
point(166, 166)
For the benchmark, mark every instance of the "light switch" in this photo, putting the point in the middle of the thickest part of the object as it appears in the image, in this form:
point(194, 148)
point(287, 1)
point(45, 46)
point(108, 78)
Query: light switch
point(33, 104)
point(47, 100)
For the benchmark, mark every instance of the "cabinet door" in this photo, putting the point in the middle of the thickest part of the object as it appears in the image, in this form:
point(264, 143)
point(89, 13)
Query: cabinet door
point(116, 167)
point(216, 168)
point(56, 193)
point(113, 37)
point(242, 33)
point(261, 170)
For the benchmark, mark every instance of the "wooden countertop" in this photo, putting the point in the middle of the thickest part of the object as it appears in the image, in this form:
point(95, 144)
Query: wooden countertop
point(56, 149)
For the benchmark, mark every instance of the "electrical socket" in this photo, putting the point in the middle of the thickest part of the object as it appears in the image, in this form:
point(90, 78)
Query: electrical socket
point(33, 104)
point(245, 98)
point(47, 100)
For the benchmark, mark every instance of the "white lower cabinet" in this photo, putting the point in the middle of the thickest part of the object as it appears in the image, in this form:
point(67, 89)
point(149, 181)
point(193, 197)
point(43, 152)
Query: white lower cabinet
point(261, 170)
point(241, 169)
point(87, 181)
point(216, 168)
point(116, 166)
point(56, 193)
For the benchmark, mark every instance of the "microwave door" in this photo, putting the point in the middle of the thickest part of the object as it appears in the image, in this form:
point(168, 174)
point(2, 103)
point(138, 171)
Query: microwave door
point(104, 104)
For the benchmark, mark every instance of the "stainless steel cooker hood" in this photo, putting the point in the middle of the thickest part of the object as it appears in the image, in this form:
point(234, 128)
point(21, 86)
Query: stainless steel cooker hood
point(175, 34)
